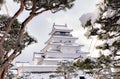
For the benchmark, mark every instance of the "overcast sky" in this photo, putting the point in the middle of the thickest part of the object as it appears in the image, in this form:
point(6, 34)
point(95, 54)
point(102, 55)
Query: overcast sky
point(41, 25)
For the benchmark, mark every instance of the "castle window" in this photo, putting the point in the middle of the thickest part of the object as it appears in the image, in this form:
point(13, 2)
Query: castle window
point(82, 77)
point(43, 56)
point(60, 41)
point(62, 33)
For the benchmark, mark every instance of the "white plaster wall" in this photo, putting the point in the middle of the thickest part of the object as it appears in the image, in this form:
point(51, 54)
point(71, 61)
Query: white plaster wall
point(63, 40)
point(62, 55)
point(50, 62)
point(38, 61)
point(68, 49)
point(53, 47)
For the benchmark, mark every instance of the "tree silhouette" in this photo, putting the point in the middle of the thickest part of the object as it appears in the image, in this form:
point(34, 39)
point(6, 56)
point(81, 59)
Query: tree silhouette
point(106, 27)
point(20, 36)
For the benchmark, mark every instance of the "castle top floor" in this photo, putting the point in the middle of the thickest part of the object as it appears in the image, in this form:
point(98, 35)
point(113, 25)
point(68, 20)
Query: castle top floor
point(61, 30)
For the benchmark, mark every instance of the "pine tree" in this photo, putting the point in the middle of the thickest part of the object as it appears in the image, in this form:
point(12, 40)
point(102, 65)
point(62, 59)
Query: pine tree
point(106, 27)
point(66, 68)
point(14, 36)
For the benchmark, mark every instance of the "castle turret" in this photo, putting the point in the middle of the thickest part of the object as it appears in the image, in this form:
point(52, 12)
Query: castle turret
point(60, 46)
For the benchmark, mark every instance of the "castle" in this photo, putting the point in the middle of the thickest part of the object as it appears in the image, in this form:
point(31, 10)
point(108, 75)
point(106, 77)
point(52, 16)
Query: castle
point(59, 47)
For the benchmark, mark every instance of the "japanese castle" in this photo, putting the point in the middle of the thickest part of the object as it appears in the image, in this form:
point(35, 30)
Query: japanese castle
point(60, 46)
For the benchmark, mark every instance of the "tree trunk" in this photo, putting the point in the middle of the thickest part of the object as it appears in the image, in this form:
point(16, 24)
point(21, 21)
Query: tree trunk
point(4, 67)
point(2, 73)
point(65, 75)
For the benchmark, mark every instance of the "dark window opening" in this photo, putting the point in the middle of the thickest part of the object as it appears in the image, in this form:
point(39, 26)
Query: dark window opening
point(82, 77)
point(43, 56)
point(62, 33)
point(60, 40)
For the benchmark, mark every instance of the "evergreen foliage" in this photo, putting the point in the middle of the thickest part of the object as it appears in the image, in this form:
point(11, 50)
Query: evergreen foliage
point(1, 1)
point(13, 35)
point(84, 64)
point(53, 5)
point(11, 39)
point(66, 68)
point(107, 25)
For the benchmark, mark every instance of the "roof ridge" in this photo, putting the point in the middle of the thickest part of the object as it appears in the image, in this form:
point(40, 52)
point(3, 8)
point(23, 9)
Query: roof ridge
point(59, 25)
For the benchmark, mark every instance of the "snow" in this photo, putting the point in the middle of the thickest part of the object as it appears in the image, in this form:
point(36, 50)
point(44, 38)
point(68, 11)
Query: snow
point(89, 16)
point(58, 76)
point(61, 27)
point(85, 17)
point(107, 52)
point(118, 22)
point(109, 13)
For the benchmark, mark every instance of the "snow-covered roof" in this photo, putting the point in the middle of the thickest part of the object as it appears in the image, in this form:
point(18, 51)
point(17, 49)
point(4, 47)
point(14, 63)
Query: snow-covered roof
point(45, 48)
point(68, 37)
point(38, 68)
point(37, 55)
point(49, 40)
point(58, 59)
point(18, 63)
point(62, 28)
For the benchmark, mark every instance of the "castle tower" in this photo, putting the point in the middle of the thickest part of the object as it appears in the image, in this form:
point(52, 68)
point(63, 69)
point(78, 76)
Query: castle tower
point(60, 46)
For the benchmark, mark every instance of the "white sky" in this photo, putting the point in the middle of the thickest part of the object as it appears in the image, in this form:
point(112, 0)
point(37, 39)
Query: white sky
point(41, 25)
